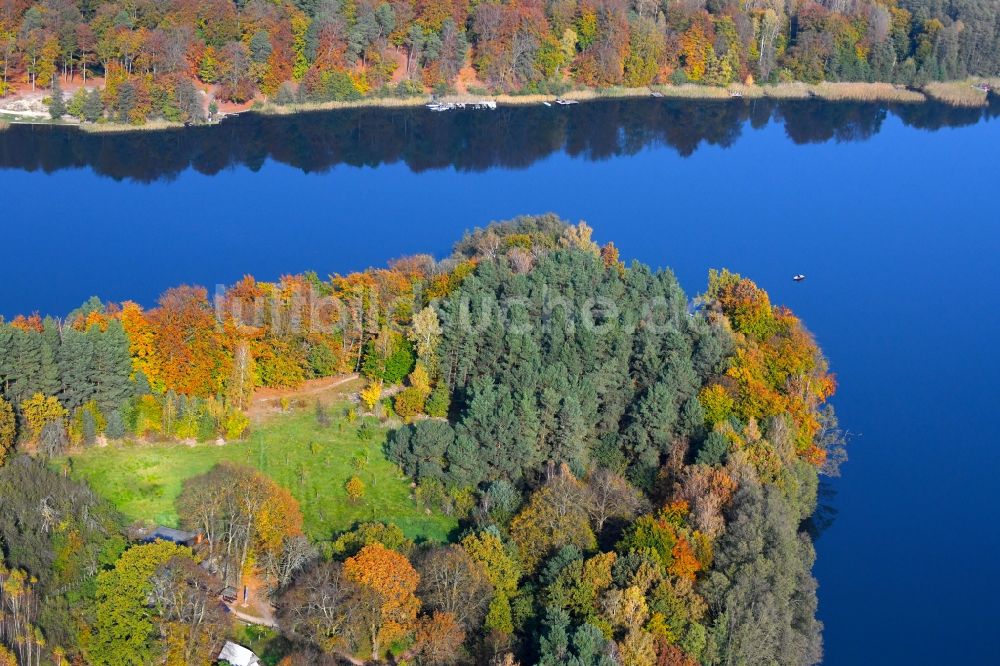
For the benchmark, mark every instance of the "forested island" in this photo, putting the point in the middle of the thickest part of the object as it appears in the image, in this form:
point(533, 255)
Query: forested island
point(187, 61)
point(528, 452)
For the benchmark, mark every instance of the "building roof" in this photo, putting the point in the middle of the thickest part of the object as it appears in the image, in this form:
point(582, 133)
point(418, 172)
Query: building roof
point(237, 655)
point(170, 534)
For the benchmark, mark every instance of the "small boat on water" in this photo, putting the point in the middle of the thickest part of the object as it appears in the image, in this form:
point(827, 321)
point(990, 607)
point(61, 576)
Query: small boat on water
point(565, 102)
point(735, 93)
point(656, 93)
point(798, 277)
point(546, 104)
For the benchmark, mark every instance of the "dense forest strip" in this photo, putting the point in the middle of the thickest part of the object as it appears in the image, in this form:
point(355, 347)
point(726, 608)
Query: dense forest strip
point(630, 471)
point(181, 60)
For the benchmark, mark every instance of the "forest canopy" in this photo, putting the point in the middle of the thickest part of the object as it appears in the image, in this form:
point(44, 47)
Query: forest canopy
point(151, 54)
point(631, 470)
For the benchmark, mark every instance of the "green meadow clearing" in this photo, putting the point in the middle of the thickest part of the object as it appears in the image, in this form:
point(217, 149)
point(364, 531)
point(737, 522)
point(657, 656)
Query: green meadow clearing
point(313, 462)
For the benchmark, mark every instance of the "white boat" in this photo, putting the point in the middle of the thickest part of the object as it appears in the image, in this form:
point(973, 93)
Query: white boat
point(546, 104)
point(565, 102)
point(798, 277)
point(735, 93)
point(655, 94)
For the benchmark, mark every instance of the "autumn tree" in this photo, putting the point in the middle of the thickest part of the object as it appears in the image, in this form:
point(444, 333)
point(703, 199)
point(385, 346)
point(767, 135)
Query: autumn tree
point(19, 612)
point(355, 488)
point(554, 517)
point(185, 341)
point(39, 411)
point(389, 603)
point(243, 514)
point(124, 621)
point(439, 639)
point(8, 429)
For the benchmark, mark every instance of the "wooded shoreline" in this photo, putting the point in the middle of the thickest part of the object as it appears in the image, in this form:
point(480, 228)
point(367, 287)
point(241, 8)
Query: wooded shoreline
point(968, 94)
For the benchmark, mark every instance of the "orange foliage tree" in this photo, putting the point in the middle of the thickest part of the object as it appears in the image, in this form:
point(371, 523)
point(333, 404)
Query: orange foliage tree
point(390, 603)
point(186, 340)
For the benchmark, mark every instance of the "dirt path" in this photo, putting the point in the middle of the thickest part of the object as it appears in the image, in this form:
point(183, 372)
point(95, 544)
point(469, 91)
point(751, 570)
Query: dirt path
point(268, 400)
point(258, 610)
point(253, 619)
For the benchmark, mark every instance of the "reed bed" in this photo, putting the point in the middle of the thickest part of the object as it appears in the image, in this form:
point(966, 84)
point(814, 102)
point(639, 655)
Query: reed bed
point(956, 93)
point(842, 92)
point(367, 102)
point(866, 92)
point(692, 91)
point(118, 128)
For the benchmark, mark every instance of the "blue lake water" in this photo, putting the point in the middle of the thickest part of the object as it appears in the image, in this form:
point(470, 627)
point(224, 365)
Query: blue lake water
point(891, 213)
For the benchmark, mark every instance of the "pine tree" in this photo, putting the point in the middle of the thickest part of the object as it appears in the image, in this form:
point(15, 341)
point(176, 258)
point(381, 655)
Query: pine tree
point(554, 643)
point(115, 428)
point(651, 428)
point(6, 357)
point(76, 362)
point(112, 367)
point(26, 366)
point(50, 383)
point(93, 108)
point(713, 450)
point(89, 427)
point(569, 443)
point(437, 403)
point(189, 102)
point(57, 105)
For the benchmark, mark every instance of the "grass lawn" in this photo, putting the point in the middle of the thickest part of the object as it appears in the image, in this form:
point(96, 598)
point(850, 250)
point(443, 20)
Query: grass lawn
point(314, 463)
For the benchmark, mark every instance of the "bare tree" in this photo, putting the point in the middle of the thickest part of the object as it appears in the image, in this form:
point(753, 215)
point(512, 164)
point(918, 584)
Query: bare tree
point(452, 583)
point(295, 555)
point(192, 619)
point(322, 609)
point(609, 495)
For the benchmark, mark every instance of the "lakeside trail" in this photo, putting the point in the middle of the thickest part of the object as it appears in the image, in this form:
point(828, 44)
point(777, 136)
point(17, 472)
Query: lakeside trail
point(267, 401)
point(27, 107)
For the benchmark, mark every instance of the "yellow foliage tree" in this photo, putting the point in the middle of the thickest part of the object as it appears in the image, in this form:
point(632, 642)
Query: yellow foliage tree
point(355, 488)
point(8, 429)
point(141, 345)
point(696, 51)
point(371, 394)
point(553, 518)
point(39, 410)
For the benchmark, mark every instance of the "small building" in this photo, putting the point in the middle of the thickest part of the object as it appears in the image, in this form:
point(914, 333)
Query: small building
point(229, 594)
point(180, 537)
point(237, 655)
